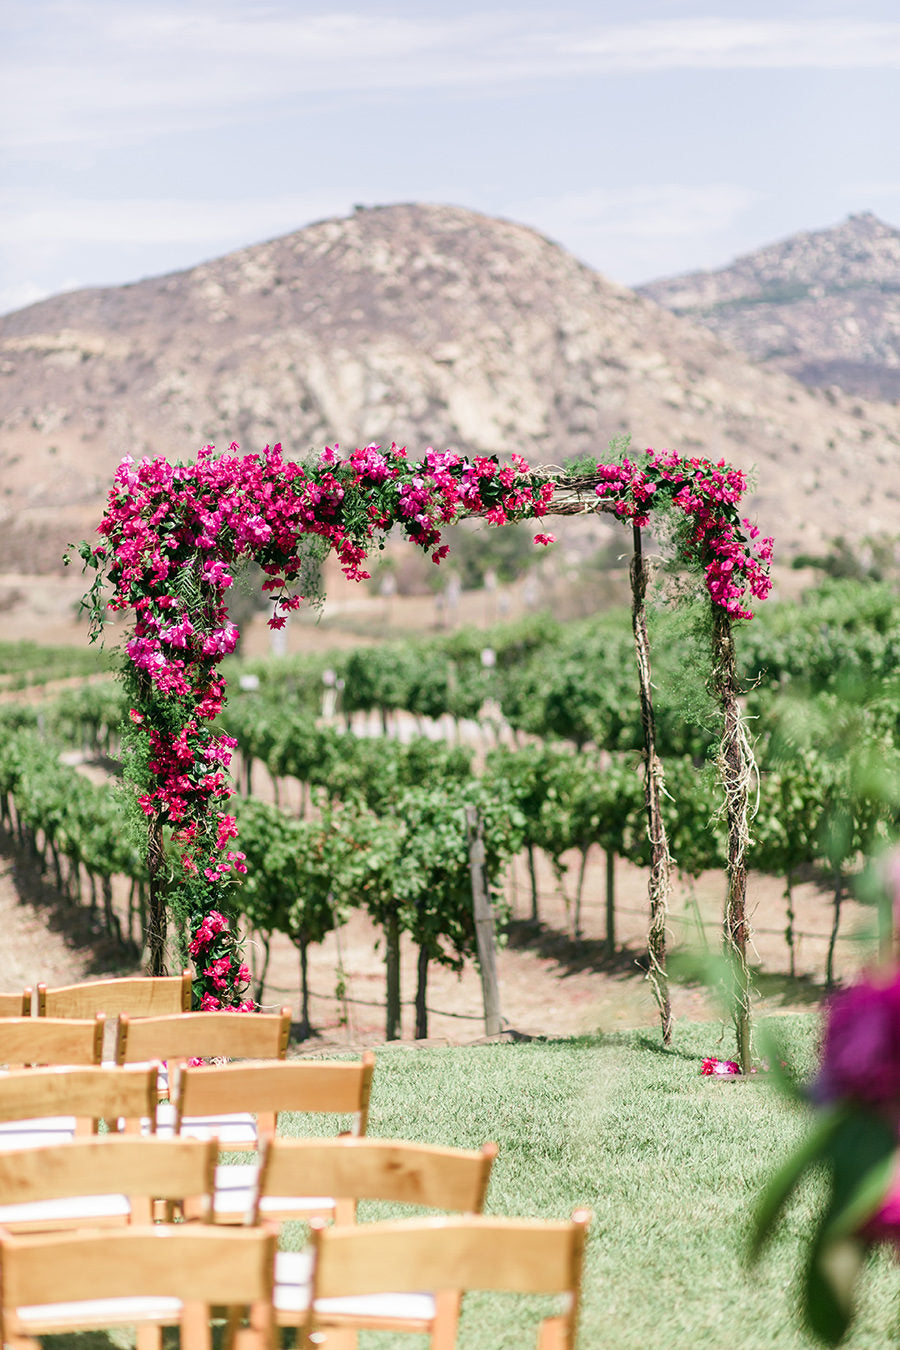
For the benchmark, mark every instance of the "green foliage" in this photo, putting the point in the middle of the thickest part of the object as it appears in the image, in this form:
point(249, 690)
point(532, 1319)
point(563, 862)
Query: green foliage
point(290, 881)
point(856, 1150)
point(27, 664)
point(433, 878)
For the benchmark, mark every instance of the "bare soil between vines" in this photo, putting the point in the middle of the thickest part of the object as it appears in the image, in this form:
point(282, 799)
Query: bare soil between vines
point(550, 985)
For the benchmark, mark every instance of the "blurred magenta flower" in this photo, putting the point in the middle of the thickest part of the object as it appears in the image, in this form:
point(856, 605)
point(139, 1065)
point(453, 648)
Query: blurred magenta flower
point(861, 1050)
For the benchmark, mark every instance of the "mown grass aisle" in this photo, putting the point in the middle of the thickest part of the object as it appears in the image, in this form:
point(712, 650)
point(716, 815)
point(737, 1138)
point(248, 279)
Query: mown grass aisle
point(670, 1162)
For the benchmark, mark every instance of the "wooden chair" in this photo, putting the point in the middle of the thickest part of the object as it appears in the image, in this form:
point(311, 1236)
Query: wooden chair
point(528, 1256)
point(51, 1040)
point(54, 1104)
point(294, 1171)
point(16, 1005)
point(138, 996)
point(109, 1179)
point(240, 1102)
point(178, 1037)
point(148, 1278)
point(203, 1035)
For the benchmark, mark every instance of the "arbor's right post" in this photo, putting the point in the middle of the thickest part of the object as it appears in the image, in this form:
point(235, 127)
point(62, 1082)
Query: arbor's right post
point(736, 767)
point(653, 790)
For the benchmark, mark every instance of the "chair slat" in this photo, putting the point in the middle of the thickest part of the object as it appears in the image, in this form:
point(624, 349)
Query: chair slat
point(208, 1035)
point(138, 995)
point(83, 1094)
point(16, 1005)
point(45, 1188)
point(51, 1040)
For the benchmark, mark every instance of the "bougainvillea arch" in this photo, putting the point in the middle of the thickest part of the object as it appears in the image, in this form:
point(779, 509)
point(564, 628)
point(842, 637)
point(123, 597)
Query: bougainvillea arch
point(172, 533)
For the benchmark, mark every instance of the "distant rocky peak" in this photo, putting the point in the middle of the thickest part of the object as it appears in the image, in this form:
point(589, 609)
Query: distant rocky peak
point(823, 305)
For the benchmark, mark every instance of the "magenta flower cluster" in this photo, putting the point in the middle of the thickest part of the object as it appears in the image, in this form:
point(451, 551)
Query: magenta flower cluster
point(861, 1049)
point(172, 533)
point(860, 1068)
point(734, 558)
point(214, 951)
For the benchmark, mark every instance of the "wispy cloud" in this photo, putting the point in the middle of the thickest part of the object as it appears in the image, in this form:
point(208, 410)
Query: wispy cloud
point(158, 221)
point(636, 233)
point(736, 43)
point(76, 70)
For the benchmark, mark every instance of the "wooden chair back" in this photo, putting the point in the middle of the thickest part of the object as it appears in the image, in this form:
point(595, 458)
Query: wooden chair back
point(206, 1035)
point(171, 1275)
point(108, 1179)
point(267, 1089)
point(16, 1005)
point(350, 1169)
point(125, 1098)
point(51, 1040)
point(528, 1256)
point(138, 996)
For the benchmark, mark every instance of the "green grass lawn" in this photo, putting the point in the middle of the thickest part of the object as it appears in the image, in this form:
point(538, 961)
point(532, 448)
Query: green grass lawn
point(670, 1163)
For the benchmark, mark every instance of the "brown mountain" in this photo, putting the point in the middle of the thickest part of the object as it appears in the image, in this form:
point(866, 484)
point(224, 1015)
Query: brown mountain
point(822, 306)
point(427, 325)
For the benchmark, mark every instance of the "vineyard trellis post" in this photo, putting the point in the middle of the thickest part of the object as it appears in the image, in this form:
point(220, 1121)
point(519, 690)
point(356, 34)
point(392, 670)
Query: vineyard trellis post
point(484, 924)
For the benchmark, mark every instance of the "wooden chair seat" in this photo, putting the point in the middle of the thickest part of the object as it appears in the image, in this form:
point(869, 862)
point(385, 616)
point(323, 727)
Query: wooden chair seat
point(234, 1130)
point(412, 1311)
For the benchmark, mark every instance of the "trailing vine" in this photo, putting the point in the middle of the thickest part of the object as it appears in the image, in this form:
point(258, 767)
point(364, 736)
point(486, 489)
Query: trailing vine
point(700, 501)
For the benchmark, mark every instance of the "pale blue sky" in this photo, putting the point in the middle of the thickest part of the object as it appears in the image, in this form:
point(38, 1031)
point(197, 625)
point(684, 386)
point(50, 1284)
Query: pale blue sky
point(646, 136)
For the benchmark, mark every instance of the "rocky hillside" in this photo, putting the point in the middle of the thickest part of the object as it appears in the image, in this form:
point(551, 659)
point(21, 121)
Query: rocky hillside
point(427, 325)
point(824, 306)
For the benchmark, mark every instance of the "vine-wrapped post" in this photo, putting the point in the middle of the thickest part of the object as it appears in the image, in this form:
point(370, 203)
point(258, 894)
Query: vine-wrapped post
point(653, 790)
point(737, 768)
point(157, 913)
point(172, 534)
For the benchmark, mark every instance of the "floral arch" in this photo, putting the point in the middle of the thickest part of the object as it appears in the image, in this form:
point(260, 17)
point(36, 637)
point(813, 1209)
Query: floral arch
point(172, 532)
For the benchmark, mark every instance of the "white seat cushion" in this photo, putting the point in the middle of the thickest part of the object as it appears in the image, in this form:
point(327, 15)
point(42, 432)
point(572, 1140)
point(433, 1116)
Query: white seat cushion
point(235, 1188)
point(292, 1276)
point(236, 1192)
point(239, 1128)
point(101, 1312)
point(44, 1130)
point(67, 1209)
